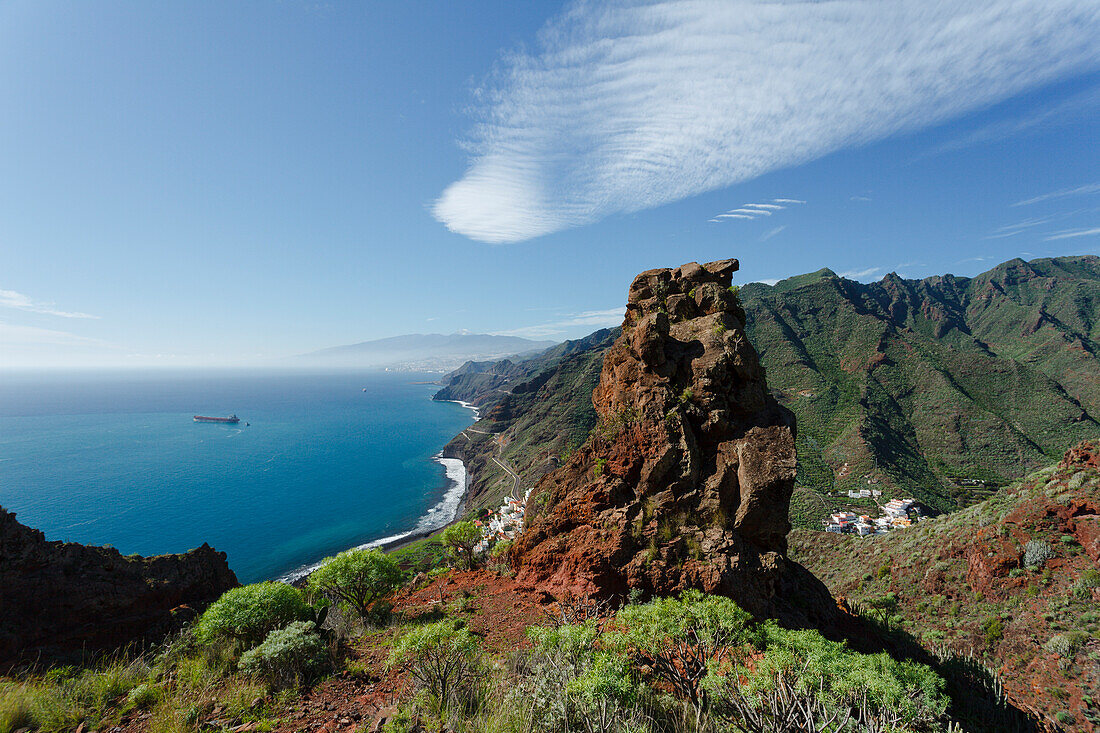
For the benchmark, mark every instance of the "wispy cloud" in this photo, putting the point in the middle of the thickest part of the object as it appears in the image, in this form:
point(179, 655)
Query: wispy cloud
point(860, 274)
point(589, 319)
point(31, 335)
point(1061, 194)
point(1071, 233)
point(768, 280)
point(1011, 230)
point(626, 105)
point(753, 211)
point(859, 198)
point(1065, 112)
point(12, 299)
point(772, 232)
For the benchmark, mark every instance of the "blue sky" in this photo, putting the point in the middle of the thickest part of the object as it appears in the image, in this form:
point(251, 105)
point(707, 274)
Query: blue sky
point(227, 183)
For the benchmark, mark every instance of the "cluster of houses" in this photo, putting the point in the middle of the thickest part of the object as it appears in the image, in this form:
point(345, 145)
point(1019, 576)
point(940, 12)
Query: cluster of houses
point(502, 524)
point(864, 494)
point(895, 515)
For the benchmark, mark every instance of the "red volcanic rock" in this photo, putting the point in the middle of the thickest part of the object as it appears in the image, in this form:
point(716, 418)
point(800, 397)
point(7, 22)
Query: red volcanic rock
point(686, 481)
point(61, 600)
point(1082, 455)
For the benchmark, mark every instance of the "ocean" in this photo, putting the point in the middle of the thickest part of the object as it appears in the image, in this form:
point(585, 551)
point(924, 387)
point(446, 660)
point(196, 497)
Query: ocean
point(327, 462)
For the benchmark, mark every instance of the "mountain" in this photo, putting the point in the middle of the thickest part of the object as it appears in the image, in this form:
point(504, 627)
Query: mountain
point(535, 412)
point(922, 386)
point(1012, 581)
point(424, 352)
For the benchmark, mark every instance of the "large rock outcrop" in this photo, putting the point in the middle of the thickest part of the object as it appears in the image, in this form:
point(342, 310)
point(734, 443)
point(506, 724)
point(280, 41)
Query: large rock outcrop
point(686, 481)
point(64, 601)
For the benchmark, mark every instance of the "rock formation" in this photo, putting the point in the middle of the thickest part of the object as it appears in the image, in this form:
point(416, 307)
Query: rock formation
point(62, 600)
point(686, 481)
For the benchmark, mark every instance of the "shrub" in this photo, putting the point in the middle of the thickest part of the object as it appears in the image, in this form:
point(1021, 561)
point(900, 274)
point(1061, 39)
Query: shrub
point(802, 679)
point(598, 469)
point(288, 657)
point(144, 695)
point(1036, 553)
point(994, 630)
point(251, 612)
point(679, 637)
point(1016, 572)
point(1065, 645)
point(441, 657)
point(462, 538)
point(356, 577)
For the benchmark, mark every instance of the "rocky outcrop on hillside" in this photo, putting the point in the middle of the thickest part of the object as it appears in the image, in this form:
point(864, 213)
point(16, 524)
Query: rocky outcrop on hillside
point(62, 600)
point(686, 480)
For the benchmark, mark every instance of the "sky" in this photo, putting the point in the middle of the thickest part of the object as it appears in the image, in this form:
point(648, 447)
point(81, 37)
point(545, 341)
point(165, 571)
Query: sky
point(219, 184)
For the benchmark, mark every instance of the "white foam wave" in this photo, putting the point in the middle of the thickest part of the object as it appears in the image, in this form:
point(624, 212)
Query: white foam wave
point(438, 516)
point(467, 405)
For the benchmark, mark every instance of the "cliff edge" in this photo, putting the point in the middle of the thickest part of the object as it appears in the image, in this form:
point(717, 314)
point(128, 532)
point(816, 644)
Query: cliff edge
point(61, 600)
point(686, 480)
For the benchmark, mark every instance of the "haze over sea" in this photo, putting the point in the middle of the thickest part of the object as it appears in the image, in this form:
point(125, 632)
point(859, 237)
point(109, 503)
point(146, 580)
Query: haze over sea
point(115, 458)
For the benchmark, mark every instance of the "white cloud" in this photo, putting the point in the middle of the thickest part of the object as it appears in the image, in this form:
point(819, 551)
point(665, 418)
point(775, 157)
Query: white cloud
point(1011, 230)
point(590, 319)
point(1062, 193)
point(1071, 233)
point(860, 274)
point(788, 201)
point(12, 299)
point(12, 334)
point(772, 232)
point(751, 211)
point(859, 198)
point(768, 280)
point(628, 105)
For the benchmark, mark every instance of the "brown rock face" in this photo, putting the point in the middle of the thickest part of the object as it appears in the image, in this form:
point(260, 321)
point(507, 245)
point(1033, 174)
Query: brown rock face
point(59, 600)
point(687, 480)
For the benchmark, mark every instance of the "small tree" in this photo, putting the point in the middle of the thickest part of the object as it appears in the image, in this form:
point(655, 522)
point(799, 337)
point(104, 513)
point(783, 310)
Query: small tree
point(681, 637)
point(462, 538)
point(441, 657)
point(356, 577)
point(249, 613)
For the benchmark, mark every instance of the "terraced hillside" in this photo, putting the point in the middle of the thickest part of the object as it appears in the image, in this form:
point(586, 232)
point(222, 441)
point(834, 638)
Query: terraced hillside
point(930, 387)
point(1014, 580)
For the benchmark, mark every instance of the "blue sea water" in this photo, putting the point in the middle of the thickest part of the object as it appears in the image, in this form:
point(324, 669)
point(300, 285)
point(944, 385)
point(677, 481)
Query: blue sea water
point(328, 462)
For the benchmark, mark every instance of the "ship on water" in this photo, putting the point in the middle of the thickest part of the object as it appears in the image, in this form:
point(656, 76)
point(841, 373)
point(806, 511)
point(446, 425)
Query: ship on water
point(231, 420)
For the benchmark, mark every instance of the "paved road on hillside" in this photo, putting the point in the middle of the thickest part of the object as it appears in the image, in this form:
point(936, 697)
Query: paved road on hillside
point(511, 472)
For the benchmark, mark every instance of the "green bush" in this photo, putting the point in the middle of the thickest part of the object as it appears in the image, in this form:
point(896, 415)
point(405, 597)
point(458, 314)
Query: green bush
point(803, 677)
point(356, 577)
point(249, 613)
point(461, 538)
point(1066, 645)
point(144, 695)
point(993, 629)
point(16, 708)
point(441, 657)
point(288, 657)
point(678, 637)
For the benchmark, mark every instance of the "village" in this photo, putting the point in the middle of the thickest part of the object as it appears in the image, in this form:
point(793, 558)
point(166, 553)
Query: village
point(896, 514)
point(501, 524)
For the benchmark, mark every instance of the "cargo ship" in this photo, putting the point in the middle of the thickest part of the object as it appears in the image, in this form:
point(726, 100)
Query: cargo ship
point(231, 420)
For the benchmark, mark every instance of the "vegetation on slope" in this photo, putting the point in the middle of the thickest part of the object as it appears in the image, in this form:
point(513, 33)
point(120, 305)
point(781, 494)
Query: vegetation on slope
point(1014, 580)
point(916, 385)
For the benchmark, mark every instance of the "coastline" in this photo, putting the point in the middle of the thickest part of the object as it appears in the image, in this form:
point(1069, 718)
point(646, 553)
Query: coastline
point(438, 517)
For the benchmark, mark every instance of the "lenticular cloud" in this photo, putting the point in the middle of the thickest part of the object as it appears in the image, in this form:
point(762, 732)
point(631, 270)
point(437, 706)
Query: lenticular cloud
point(629, 105)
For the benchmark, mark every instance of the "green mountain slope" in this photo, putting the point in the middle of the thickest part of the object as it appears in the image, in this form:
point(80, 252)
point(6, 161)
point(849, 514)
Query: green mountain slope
point(914, 385)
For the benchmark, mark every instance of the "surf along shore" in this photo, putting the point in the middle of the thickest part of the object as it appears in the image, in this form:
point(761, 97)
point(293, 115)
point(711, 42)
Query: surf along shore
point(438, 518)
